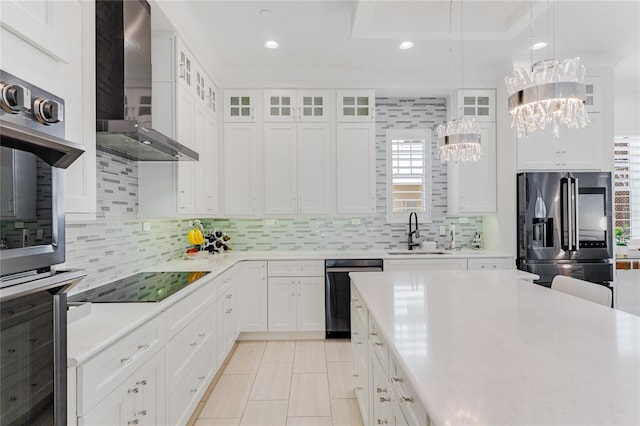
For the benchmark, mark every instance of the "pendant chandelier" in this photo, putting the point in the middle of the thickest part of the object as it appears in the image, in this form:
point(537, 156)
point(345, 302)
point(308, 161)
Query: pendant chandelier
point(458, 139)
point(550, 92)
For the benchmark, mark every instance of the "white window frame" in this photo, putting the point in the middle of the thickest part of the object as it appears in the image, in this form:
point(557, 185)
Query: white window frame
point(630, 179)
point(409, 134)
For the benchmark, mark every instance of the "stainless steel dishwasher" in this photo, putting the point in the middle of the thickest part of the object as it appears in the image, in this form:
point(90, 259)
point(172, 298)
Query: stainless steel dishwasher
point(338, 292)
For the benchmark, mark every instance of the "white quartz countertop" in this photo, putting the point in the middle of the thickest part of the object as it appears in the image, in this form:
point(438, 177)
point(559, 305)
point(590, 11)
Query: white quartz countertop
point(111, 321)
point(482, 347)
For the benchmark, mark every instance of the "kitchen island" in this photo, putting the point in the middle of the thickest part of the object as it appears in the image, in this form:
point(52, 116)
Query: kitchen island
point(483, 347)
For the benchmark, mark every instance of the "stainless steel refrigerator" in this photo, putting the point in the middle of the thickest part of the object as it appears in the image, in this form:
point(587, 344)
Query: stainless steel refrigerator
point(565, 225)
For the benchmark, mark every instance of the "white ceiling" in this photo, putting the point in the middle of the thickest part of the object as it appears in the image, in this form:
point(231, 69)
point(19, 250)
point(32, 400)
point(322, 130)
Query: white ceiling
point(332, 43)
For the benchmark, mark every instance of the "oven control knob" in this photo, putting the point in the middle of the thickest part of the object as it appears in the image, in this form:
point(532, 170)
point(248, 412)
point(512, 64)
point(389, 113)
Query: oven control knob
point(48, 111)
point(14, 98)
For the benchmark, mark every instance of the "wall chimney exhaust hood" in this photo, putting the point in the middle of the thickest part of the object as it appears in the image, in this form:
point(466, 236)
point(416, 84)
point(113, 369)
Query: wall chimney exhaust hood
point(123, 85)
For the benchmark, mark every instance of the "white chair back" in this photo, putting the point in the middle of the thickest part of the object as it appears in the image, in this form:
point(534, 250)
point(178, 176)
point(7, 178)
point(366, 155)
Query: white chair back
point(584, 289)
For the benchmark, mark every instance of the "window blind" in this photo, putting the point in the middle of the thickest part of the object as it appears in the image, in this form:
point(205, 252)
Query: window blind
point(627, 184)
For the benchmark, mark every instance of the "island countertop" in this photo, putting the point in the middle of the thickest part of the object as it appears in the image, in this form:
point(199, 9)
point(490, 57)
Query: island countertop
point(482, 347)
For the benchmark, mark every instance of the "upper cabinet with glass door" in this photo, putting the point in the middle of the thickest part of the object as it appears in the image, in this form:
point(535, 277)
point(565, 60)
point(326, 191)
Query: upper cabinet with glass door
point(241, 106)
point(289, 106)
point(356, 106)
point(185, 65)
point(477, 104)
point(205, 91)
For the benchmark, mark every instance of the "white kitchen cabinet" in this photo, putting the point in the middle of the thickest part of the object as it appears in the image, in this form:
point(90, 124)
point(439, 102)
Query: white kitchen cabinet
point(296, 296)
point(184, 64)
point(490, 263)
point(382, 396)
point(137, 401)
point(296, 304)
point(252, 283)
point(356, 105)
point(360, 353)
point(289, 106)
point(186, 395)
point(206, 185)
point(575, 149)
point(593, 101)
point(243, 169)
point(356, 168)
point(425, 264)
point(242, 106)
point(182, 110)
point(227, 314)
point(471, 187)
point(476, 104)
point(297, 165)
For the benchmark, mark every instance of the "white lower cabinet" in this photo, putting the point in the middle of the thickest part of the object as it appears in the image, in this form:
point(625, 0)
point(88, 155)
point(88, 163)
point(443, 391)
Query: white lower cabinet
point(425, 264)
point(227, 315)
point(139, 400)
point(360, 353)
point(296, 296)
point(186, 394)
point(491, 263)
point(384, 392)
point(252, 286)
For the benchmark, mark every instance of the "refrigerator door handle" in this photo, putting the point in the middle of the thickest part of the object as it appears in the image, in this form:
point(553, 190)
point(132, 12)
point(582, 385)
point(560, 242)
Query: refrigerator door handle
point(575, 242)
point(565, 215)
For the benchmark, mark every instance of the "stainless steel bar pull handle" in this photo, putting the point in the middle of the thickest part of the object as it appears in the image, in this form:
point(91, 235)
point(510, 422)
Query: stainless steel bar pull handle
point(565, 213)
point(575, 242)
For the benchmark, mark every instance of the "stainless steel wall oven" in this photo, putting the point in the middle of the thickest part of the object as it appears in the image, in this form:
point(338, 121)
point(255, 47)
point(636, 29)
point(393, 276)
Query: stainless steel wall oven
point(33, 154)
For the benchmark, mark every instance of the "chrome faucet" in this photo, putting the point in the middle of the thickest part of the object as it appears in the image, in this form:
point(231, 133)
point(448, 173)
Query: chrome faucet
point(413, 233)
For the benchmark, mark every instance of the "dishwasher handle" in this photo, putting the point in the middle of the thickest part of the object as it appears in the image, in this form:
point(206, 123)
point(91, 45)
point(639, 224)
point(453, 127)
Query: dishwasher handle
point(355, 269)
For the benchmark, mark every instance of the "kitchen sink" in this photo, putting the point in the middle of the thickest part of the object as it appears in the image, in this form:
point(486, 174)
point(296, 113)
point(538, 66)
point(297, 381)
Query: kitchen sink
point(418, 252)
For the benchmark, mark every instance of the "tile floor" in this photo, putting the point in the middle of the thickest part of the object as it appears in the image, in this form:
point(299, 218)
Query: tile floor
point(301, 383)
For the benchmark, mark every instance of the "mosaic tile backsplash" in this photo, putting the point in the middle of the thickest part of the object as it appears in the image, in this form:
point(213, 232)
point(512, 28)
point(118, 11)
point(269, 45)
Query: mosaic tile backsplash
point(114, 244)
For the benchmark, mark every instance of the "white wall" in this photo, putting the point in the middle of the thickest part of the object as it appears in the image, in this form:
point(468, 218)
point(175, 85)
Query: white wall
point(627, 113)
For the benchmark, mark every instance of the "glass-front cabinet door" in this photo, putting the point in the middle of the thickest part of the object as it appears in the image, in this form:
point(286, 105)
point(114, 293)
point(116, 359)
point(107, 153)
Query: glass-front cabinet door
point(314, 106)
point(280, 106)
point(356, 106)
point(241, 106)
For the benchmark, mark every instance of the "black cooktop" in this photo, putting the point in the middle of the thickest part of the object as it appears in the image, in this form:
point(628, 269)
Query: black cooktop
point(141, 287)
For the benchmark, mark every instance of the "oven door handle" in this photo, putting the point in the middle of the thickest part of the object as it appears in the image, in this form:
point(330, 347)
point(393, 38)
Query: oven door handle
point(355, 269)
point(64, 279)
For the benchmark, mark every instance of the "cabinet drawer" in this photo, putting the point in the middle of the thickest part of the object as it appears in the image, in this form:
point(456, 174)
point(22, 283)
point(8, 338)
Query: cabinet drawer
point(186, 394)
point(185, 346)
point(224, 282)
point(296, 268)
point(104, 372)
point(494, 263)
point(183, 312)
point(379, 345)
point(413, 410)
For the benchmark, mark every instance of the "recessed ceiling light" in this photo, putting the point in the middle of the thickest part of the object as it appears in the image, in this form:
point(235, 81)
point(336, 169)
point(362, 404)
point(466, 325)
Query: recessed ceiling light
point(406, 45)
point(265, 12)
point(271, 44)
point(539, 45)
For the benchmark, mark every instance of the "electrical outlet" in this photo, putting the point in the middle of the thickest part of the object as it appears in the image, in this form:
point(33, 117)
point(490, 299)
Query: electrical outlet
point(39, 234)
point(190, 224)
point(146, 226)
point(442, 230)
point(464, 220)
point(269, 221)
point(355, 221)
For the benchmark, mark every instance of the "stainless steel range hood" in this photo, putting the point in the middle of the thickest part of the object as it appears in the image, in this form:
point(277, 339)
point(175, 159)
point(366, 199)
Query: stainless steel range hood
point(123, 85)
